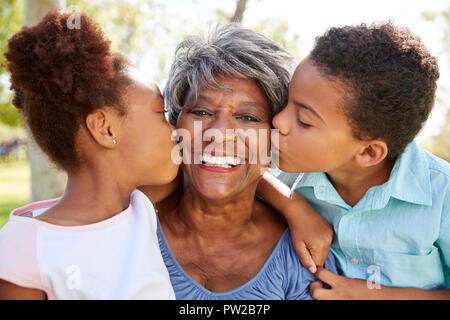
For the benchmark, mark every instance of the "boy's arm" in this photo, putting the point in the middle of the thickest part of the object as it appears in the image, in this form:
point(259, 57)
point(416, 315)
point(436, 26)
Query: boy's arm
point(10, 291)
point(311, 233)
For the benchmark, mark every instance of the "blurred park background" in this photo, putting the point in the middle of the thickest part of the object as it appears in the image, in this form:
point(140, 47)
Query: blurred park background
point(147, 32)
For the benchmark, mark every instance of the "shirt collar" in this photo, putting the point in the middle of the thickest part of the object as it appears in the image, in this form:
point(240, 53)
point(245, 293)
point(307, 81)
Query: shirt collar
point(410, 178)
point(409, 181)
point(323, 189)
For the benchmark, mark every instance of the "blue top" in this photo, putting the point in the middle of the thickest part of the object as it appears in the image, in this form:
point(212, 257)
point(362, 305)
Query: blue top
point(398, 234)
point(281, 277)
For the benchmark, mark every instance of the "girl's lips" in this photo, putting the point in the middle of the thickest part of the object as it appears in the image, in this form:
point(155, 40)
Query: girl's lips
point(218, 169)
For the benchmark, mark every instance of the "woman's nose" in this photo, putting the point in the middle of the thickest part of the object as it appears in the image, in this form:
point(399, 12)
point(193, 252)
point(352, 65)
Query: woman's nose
point(218, 128)
point(281, 122)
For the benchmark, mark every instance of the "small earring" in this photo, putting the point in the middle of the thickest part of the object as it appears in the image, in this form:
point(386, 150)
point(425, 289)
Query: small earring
point(114, 140)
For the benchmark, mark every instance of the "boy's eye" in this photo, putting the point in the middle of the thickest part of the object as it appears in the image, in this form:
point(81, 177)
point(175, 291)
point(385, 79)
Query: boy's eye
point(302, 124)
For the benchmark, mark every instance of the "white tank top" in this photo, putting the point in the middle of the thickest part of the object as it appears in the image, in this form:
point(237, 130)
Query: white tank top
point(117, 258)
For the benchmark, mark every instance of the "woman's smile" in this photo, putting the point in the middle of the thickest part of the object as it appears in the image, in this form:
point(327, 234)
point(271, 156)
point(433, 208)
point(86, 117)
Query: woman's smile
point(219, 162)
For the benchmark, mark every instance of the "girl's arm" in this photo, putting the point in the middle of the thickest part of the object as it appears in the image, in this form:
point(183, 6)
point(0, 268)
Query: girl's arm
point(311, 233)
point(9, 291)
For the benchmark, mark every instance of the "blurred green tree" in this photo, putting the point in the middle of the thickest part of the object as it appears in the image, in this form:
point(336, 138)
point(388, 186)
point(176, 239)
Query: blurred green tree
point(276, 29)
point(11, 18)
point(440, 143)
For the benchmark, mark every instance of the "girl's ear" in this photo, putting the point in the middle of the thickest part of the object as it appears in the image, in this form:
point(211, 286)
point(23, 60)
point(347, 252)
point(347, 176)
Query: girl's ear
point(373, 153)
point(101, 126)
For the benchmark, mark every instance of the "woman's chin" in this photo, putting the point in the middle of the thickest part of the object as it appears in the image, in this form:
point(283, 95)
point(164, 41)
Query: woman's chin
point(216, 193)
point(219, 184)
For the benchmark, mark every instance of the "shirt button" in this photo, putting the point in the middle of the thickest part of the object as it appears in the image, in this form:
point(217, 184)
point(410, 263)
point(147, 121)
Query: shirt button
point(350, 216)
point(355, 261)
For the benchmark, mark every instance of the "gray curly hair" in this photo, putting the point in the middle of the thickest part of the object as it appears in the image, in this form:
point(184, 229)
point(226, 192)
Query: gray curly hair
point(233, 51)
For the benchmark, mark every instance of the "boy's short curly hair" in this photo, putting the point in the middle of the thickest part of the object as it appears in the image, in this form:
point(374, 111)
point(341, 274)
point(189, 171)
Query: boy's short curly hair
point(390, 78)
point(60, 75)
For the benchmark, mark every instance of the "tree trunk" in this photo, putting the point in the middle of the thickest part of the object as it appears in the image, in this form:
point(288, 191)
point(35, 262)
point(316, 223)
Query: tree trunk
point(46, 181)
point(241, 5)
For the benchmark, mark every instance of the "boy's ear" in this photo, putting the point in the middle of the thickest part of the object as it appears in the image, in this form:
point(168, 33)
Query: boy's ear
point(373, 152)
point(100, 126)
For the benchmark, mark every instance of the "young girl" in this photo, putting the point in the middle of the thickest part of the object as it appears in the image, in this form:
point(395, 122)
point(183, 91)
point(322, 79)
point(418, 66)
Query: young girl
point(101, 121)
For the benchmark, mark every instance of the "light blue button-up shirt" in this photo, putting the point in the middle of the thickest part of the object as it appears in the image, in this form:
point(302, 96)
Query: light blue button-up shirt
point(398, 234)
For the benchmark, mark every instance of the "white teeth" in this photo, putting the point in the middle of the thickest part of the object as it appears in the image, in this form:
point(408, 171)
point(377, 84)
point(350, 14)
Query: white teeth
point(224, 162)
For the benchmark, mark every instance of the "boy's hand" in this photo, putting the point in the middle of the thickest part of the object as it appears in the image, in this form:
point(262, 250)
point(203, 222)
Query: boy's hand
point(311, 233)
point(312, 236)
point(342, 288)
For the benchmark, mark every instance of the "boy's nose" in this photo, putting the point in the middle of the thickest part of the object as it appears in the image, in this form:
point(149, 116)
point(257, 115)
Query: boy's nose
point(281, 122)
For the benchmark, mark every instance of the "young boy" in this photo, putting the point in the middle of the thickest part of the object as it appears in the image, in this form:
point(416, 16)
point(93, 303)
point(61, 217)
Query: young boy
point(355, 105)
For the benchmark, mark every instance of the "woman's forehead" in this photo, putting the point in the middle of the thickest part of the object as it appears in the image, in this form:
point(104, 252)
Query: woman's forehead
point(244, 89)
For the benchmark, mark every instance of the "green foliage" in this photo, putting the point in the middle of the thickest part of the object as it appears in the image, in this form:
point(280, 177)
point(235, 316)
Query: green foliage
point(275, 29)
point(278, 31)
point(14, 187)
point(131, 26)
point(9, 115)
point(442, 19)
point(11, 15)
point(121, 21)
point(142, 30)
point(440, 144)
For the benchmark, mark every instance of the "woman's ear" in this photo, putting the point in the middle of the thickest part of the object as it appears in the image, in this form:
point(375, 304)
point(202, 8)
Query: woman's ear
point(373, 152)
point(101, 126)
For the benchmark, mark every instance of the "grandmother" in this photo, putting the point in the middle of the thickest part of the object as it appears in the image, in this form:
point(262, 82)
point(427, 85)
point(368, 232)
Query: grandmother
point(218, 241)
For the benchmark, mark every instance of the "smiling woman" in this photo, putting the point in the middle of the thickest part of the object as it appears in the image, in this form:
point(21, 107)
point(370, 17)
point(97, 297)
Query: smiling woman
point(226, 110)
point(218, 241)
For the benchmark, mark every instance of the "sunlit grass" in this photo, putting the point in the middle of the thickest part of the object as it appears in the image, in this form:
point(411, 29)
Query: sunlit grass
point(14, 187)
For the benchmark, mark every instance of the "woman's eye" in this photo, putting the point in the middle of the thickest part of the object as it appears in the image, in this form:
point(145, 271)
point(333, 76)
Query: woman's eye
point(248, 118)
point(302, 124)
point(199, 113)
